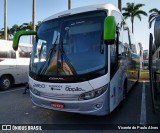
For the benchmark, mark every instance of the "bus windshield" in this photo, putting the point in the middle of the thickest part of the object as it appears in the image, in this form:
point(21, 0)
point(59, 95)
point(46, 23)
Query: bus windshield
point(70, 46)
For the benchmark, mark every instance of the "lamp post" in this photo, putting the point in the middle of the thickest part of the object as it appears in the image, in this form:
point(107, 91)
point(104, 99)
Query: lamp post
point(34, 15)
point(69, 4)
point(120, 5)
point(5, 20)
point(33, 18)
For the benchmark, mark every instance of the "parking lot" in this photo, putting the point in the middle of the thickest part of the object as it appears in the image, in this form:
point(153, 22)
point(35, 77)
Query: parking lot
point(17, 108)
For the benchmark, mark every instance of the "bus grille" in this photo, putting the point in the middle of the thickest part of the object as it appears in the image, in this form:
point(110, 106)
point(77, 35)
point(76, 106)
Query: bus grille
point(67, 97)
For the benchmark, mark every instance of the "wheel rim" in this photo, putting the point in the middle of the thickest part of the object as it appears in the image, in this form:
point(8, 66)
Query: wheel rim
point(6, 83)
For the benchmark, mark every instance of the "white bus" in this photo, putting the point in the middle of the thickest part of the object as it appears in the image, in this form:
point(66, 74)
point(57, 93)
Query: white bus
point(14, 66)
point(84, 60)
point(154, 65)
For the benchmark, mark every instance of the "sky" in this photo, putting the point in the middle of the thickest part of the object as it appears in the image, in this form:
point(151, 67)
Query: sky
point(20, 11)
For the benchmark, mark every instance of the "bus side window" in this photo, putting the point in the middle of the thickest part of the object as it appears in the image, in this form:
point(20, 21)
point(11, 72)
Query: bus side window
point(126, 39)
point(116, 49)
point(113, 59)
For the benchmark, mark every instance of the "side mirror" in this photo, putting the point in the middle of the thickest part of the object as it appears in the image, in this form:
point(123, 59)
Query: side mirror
point(18, 35)
point(109, 30)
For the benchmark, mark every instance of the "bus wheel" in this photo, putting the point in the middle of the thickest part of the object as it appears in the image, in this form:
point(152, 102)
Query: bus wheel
point(5, 82)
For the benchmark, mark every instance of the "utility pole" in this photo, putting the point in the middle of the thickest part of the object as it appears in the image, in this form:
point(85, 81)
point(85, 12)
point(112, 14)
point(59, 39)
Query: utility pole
point(5, 20)
point(120, 5)
point(33, 18)
point(34, 15)
point(69, 4)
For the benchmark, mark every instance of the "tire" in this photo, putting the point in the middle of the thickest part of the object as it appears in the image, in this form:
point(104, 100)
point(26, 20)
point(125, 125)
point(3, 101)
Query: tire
point(5, 82)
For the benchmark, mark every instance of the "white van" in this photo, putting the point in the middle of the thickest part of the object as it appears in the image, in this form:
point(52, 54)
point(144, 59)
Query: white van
point(14, 66)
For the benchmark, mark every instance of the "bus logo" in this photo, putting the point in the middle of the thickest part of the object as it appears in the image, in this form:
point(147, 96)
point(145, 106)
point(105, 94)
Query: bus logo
point(39, 85)
point(68, 88)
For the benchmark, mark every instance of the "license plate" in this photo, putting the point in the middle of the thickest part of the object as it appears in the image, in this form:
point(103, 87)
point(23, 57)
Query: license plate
point(58, 105)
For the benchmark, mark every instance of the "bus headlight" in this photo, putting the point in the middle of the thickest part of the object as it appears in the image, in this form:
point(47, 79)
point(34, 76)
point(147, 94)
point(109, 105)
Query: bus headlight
point(93, 94)
point(35, 91)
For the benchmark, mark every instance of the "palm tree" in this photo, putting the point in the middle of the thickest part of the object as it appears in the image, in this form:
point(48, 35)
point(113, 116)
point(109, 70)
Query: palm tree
point(153, 14)
point(120, 4)
point(38, 24)
point(2, 33)
point(9, 34)
point(133, 10)
point(26, 26)
point(14, 29)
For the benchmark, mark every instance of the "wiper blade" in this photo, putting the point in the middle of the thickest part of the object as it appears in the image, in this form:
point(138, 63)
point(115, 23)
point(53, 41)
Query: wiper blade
point(67, 61)
point(48, 58)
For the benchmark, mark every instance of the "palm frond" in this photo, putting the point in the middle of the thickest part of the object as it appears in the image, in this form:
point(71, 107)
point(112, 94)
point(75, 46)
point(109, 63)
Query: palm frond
point(126, 14)
point(154, 10)
point(140, 12)
point(137, 6)
point(139, 16)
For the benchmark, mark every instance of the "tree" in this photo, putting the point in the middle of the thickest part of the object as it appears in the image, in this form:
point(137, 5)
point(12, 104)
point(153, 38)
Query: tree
point(11, 31)
point(14, 29)
point(9, 34)
point(153, 14)
point(2, 34)
point(133, 10)
point(38, 24)
point(29, 26)
point(26, 26)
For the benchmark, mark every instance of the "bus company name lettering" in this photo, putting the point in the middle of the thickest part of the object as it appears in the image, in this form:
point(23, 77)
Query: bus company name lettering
point(39, 85)
point(69, 88)
point(55, 87)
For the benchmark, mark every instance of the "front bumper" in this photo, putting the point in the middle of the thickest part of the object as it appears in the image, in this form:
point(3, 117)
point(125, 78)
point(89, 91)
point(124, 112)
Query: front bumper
point(96, 106)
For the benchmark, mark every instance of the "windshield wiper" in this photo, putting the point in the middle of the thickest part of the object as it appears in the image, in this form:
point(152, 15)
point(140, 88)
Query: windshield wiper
point(67, 61)
point(48, 57)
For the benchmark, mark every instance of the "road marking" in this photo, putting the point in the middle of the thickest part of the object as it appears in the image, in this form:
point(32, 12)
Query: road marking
point(143, 106)
point(10, 91)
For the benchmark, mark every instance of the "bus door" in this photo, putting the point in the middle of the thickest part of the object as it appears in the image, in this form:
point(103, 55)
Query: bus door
point(116, 79)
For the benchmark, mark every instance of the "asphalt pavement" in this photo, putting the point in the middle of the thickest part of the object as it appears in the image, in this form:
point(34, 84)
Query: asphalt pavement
point(17, 108)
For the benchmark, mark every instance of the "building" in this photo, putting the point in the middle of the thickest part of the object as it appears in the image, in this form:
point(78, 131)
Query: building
point(145, 59)
point(141, 55)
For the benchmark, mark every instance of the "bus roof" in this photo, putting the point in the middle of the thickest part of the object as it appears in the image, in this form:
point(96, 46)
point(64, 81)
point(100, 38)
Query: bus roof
point(83, 9)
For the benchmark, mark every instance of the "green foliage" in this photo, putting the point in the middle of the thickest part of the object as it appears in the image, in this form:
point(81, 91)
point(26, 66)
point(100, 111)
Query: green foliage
point(133, 10)
point(15, 28)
